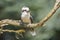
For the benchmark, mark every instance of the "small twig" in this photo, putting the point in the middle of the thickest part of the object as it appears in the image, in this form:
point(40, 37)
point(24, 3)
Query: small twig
point(16, 31)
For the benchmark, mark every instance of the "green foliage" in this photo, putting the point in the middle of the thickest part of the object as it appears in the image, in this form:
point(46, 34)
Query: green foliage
point(11, 9)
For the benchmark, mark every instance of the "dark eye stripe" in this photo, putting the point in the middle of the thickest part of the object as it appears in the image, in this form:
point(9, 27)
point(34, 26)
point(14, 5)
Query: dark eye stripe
point(25, 10)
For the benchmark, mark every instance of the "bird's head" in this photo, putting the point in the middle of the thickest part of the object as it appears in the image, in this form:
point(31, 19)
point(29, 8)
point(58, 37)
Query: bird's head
point(25, 9)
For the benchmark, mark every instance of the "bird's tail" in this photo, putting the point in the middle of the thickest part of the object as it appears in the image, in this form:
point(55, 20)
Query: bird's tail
point(33, 32)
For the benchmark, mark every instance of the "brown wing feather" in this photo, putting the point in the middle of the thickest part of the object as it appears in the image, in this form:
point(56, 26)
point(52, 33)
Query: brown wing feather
point(31, 19)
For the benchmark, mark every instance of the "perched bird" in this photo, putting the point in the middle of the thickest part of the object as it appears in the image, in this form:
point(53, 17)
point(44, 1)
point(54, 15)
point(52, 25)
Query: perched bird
point(26, 18)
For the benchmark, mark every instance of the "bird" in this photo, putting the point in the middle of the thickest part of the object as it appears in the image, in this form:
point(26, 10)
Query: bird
point(26, 18)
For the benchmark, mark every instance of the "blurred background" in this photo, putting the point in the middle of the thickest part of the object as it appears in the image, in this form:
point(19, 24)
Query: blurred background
point(11, 9)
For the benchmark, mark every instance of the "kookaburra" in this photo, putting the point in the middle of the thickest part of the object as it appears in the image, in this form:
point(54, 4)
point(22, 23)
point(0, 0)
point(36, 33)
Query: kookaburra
point(26, 18)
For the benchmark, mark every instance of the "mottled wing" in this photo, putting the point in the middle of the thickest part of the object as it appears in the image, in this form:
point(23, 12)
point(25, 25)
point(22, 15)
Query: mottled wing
point(31, 19)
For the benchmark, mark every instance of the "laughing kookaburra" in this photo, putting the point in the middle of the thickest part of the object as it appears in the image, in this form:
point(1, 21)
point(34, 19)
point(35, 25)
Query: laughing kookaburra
point(26, 18)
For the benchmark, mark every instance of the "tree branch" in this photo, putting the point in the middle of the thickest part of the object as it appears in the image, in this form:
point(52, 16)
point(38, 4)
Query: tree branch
point(16, 31)
point(49, 15)
point(33, 25)
point(10, 22)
